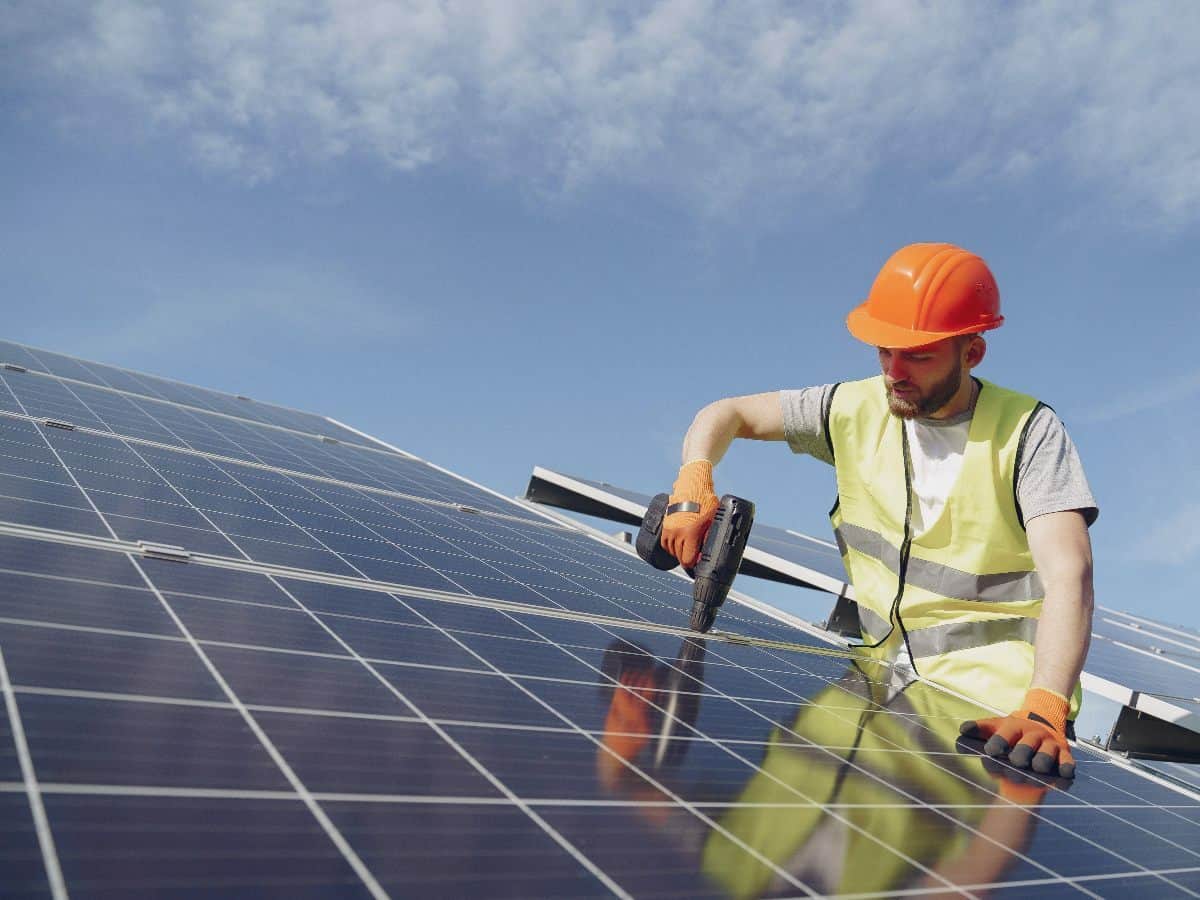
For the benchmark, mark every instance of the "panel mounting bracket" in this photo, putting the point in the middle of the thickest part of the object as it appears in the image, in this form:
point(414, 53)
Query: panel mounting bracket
point(13, 367)
point(58, 423)
point(171, 552)
point(844, 618)
point(1143, 736)
point(329, 440)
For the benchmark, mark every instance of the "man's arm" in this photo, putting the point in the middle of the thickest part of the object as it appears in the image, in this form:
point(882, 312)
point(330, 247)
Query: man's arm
point(1035, 735)
point(756, 416)
point(1062, 552)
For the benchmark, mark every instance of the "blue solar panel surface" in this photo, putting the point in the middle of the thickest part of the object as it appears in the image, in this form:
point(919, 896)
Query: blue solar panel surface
point(355, 693)
point(818, 556)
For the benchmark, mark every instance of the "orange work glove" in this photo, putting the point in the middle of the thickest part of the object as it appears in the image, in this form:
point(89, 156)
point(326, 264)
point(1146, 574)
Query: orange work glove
point(683, 532)
point(1035, 736)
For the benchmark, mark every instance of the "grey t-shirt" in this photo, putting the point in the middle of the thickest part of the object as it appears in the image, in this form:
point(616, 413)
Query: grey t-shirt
point(1050, 476)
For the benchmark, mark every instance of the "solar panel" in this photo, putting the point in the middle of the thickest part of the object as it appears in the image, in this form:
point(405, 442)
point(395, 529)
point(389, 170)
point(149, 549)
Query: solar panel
point(226, 677)
point(771, 552)
point(1149, 667)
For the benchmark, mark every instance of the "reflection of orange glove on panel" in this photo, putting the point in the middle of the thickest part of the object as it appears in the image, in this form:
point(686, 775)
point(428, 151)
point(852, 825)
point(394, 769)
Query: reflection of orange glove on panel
point(1035, 736)
point(690, 512)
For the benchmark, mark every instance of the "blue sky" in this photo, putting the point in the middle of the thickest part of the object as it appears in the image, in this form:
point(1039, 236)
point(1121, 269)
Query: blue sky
point(513, 233)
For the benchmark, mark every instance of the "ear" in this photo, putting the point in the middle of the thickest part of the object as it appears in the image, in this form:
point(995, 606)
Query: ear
point(976, 350)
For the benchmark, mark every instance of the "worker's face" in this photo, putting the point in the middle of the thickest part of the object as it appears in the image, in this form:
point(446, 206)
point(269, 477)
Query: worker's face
point(922, 380)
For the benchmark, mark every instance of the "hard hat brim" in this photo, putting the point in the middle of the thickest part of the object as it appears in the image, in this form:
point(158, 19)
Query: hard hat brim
point(879, 333)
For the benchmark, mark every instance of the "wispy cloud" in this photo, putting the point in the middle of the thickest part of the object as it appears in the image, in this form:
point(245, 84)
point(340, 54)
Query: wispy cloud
point(1164, 392)
point(710, 102)
point(282, 305)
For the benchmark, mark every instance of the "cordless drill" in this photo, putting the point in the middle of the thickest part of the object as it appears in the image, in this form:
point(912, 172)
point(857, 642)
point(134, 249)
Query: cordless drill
point(719, 557)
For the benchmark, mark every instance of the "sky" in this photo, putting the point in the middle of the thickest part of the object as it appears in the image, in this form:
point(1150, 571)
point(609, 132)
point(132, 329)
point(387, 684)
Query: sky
point(512, 233)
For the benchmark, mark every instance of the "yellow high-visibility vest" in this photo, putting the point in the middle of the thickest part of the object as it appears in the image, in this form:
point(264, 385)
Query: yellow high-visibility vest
point(963, 594)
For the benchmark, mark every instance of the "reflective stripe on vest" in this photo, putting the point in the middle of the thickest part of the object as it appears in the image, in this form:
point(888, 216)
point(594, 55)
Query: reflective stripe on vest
point(1007, 587)
point(939, 639)
point(873, 626)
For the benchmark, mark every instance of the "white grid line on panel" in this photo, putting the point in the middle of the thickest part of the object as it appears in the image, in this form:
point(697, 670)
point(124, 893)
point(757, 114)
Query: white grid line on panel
point(1034, 812)
point(791, 788)
point(326, 824)
point(287, 609)
point(1151, 636)
point(31, 788)
point(492, 778)
point(80, 694)
point(585, 590)
point(290, 473)
point(1152, 628)
point(67, 380)
point(351, 857)
point(679, 801)
point(1142, 651)
point(627, 624)
point(765, 609)
point(270, 569)
point(821, 747)
point(517, 684)
point(91, 629)
point(1023, 883)
point(568, 526)
point(115, 697)
point(135, 790)
point(570, 848)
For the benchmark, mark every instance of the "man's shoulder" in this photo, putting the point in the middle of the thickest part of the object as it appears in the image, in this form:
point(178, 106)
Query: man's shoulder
point(1011, 395)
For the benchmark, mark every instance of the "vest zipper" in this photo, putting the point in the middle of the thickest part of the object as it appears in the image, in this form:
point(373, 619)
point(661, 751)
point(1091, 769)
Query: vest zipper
point(905, 547)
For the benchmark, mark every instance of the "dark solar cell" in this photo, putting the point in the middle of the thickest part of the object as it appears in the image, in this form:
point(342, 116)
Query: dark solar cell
point(197, 846)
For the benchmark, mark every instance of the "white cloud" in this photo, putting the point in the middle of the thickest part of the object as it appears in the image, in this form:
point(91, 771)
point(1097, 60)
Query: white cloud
point(712, 102)
point(284, 305)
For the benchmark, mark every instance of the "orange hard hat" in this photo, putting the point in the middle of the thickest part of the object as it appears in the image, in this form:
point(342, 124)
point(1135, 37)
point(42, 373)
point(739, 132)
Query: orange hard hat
point(924, 293)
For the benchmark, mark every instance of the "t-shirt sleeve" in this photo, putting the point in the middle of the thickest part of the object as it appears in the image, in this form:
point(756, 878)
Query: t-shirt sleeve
point(1050, 476)
point(804, 420)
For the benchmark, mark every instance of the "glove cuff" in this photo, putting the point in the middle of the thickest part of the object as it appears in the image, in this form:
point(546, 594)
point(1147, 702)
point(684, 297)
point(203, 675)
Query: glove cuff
point(1050, 706)
point(695, 481)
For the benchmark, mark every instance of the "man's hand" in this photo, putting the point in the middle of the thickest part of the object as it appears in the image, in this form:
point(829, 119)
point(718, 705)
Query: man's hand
point(683, 531)
point(1035, 736)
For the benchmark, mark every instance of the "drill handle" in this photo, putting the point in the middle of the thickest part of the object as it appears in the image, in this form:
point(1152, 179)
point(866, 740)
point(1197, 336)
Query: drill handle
point(649, 539)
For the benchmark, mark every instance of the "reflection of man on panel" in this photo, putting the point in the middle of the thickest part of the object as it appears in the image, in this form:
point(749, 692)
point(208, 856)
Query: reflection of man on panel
point(962, 509)
point(849, 773)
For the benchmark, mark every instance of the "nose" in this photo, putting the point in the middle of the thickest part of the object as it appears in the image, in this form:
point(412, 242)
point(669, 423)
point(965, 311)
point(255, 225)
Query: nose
point(893, 366)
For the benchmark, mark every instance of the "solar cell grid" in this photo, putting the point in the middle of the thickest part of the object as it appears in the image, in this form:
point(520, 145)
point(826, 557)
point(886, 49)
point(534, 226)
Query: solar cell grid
point(310, 684)
point(162, 389)
point(335, 739)
point(164, 496)
point(1161, 641)
point(1144, 670)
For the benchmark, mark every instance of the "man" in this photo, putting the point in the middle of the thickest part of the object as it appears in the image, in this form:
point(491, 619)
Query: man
point(962, 509)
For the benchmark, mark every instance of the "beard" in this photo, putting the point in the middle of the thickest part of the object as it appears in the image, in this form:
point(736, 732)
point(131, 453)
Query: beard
point(922, 405)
